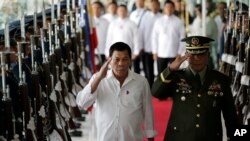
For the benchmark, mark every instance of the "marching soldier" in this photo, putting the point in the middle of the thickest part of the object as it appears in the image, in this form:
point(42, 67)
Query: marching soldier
point(199, 95)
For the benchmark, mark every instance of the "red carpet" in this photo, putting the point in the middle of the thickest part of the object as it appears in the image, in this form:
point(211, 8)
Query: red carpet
point(162, 112)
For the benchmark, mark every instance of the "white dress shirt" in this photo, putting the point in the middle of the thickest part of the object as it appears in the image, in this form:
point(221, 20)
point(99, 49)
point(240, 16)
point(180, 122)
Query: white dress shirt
point(101, 31)
point(137, 15)
point(146, 27)
point(166, 37)
point(123, 30)
point(120, 111)
point(196, 27)
point(109, 17)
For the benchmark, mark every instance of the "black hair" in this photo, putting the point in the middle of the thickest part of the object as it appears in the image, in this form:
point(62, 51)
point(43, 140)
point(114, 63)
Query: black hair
point(123, 5)
point(112, 3)
point(198, 7)
point(169, 2)
point(119, 46)
point(99, 3)
point(223, 3)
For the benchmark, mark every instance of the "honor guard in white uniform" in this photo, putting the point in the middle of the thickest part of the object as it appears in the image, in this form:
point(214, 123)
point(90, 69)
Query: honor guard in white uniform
point(136, 16)
point(123, 30)
point(101, 29)
point(146, 27)
point(111, 11)
point(167, 33)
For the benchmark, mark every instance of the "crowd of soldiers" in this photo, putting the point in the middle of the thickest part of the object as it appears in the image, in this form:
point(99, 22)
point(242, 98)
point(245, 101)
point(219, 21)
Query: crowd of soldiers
point(43, 66)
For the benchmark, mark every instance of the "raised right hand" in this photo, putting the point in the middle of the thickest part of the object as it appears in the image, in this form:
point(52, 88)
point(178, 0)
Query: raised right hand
point(103, 71)
point(175, 65)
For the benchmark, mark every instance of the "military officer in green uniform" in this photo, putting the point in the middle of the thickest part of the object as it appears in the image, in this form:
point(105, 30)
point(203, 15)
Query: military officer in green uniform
point(199, 96)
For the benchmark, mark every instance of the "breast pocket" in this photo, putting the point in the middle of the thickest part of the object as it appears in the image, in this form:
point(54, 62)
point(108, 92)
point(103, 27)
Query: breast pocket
point(131, 99)
point(213, 102)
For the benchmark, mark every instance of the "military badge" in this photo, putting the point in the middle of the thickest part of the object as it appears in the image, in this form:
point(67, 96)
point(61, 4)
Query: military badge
point(215, 89)
point(183, 87)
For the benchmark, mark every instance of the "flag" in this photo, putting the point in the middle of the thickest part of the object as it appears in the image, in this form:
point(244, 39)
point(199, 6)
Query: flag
point(90, 35)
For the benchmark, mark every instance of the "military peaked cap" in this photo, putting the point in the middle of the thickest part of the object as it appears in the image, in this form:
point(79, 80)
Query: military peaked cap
point(197, 44)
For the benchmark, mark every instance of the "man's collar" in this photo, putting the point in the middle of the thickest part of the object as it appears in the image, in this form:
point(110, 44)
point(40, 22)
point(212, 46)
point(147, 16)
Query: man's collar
point(167, 17)
point(121, 19)
point(202, 73)
point(130, 76)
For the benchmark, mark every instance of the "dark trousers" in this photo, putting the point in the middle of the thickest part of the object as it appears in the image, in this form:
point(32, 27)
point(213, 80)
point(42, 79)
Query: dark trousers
point(148, 67)
point(136, 64)
point(162, 63)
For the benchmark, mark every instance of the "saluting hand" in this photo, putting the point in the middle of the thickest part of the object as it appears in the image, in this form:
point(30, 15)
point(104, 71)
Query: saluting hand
point(175, 65)
point(100, 75)
point(103, 71)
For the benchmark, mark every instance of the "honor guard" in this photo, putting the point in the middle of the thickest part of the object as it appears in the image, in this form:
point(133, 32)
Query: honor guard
point(199, 95)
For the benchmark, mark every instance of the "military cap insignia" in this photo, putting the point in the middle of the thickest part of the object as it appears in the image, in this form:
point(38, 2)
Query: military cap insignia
point(195, 41)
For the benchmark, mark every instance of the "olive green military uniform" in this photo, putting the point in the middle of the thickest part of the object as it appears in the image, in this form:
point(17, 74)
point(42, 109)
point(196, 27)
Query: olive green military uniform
point(196, 112)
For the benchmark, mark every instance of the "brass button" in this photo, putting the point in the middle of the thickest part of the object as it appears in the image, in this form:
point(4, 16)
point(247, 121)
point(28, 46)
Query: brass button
point(197, 125)
point(198, 105)
point(221, 93)
point(197, 115)
point(199, 95)
point(183, 98)
point(175, 128)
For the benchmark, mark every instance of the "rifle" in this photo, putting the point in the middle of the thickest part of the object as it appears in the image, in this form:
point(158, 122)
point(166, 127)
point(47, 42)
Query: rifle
point(233, 48)
point(10, 130)
point(228, 38)
point(52, 56)
point(23, 92)
point(239, 65)
point(241, 54)
point(70, 101)
point(35, 90)
point(245, 81)
point(242, 95)
point(59, 114)
point(7, 102)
